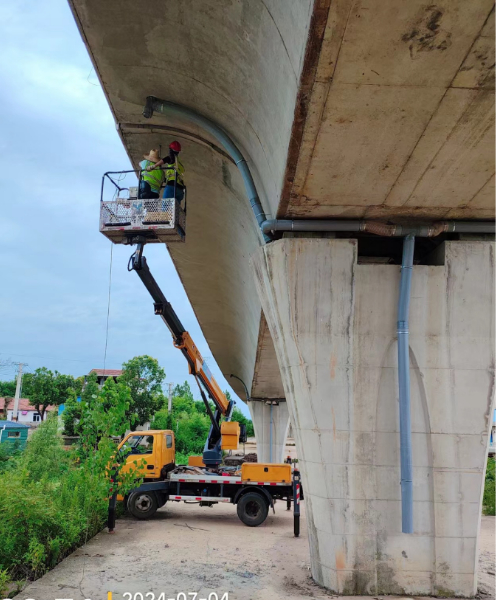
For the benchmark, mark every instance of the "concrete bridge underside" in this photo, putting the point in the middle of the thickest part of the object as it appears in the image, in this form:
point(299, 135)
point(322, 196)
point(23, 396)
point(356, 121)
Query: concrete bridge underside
point(343, 109)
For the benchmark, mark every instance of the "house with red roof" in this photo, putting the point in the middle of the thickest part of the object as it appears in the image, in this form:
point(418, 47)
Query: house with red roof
point(103, 374)
point(27, 412)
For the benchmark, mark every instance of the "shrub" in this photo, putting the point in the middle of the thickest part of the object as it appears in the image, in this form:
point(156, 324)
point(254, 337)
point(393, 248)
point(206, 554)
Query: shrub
point(53, 500)
point(488, 500)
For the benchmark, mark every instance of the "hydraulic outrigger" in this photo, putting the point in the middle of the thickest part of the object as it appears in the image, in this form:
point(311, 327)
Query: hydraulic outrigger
point(212, 453)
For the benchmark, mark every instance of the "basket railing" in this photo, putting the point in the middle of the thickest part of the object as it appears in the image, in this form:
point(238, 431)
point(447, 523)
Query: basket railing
point(133, 211)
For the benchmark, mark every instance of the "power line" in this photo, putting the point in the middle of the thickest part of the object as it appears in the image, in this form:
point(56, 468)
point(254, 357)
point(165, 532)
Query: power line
point(47, 358)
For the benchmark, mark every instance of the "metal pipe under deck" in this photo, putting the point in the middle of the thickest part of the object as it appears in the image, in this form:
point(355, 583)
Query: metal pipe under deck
point(170, 108)
point(268, 226)
point(404, 385)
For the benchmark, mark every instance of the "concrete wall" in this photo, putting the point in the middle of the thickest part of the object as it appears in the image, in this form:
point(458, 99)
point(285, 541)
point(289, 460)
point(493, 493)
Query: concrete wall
point(271, 424)
point(333, 323)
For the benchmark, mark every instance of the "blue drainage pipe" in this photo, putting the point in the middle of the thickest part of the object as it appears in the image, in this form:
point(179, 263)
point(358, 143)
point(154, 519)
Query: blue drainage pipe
point(170, 108)
point(270, 435)
point(404, 386)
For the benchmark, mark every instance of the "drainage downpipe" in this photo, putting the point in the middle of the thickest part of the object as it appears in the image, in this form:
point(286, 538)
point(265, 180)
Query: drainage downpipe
point(404, 386)
point(270, 435)
point(170, 108)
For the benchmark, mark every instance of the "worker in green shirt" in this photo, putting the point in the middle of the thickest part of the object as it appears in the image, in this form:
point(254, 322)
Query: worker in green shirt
point(151, 179)
point(174, 172)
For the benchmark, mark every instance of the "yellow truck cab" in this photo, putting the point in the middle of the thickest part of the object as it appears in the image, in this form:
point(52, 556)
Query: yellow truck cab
point(153, 451)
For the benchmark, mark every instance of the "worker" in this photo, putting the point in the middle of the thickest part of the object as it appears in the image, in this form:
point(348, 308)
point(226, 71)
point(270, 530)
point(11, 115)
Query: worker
point(151, 178)
point(174, 175)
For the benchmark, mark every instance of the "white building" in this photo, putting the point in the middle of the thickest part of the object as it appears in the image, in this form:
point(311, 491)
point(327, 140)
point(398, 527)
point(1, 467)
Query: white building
point(27, 412)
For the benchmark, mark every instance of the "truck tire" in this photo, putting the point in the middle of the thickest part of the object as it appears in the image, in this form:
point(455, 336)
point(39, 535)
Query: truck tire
point(142, 505)
point(253, 509)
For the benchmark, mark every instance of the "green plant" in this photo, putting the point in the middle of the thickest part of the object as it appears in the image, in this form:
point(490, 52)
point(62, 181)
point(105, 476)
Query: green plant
point(488, 500)
point(45, 388)
point(143, 376)
point(7, 388)
point(72, 414)
point(54, 500)
point(4, 583)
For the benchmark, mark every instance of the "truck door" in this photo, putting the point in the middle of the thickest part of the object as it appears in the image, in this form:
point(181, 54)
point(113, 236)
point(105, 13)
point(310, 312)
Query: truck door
point(145, 449)
point(168, 448)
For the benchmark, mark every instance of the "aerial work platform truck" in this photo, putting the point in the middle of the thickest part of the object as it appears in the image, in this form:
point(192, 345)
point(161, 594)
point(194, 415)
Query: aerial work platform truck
point(254, 487)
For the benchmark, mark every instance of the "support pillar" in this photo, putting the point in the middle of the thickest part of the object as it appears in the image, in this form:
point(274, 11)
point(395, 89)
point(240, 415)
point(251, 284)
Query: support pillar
point(271, 424)
point(333, 323)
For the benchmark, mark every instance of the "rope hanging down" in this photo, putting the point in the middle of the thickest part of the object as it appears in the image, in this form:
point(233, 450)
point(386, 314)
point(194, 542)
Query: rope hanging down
point(108, 307)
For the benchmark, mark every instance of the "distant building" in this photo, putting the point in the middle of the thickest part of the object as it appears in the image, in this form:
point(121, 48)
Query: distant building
point(101, 377)
point(492, 437)
point(11, 432)
point(27, 412)
point(103, 374)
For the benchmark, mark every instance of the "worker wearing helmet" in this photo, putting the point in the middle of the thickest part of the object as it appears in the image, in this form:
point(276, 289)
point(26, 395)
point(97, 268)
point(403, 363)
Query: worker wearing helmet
point(174, 172)
point(151, 179)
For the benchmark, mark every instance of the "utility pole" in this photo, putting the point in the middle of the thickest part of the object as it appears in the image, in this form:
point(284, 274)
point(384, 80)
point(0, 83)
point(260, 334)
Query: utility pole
point(169, 407)
point(15, 412)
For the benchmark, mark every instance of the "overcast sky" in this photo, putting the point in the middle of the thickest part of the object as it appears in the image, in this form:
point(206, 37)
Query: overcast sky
point(57, 138)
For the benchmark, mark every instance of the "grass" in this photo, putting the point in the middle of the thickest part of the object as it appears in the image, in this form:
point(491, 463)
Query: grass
point(49, 505)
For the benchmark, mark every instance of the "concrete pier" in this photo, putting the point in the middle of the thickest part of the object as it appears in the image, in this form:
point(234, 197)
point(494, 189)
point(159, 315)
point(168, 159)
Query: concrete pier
point(271, 424)
point(333, 323)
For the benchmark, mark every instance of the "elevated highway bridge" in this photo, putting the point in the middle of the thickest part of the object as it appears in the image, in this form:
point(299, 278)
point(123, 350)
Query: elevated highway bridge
point(344, 109)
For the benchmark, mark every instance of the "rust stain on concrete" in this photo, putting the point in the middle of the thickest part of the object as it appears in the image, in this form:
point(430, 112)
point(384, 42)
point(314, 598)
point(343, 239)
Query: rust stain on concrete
point(340, 560)
point(333, 366)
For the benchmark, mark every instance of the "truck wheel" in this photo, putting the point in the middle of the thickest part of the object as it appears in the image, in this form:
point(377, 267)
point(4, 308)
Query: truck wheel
point(142, 505)
point(253, 509)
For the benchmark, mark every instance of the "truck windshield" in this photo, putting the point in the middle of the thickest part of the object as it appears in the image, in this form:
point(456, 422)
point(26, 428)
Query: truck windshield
point(139, 444)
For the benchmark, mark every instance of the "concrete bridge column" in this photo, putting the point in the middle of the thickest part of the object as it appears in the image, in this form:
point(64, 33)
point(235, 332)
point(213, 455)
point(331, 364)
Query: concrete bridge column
point(333, 323)
point(271, 424)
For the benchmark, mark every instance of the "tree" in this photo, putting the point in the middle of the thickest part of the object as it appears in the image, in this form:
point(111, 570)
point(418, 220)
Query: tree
point(44, 388)
point(143, 376)
point(104, 413)
point(7, 389)
point(183, 391)
point(72, 414)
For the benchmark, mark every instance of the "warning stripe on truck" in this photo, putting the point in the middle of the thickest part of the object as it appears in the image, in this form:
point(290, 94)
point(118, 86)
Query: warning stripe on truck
point(222, 479)
point(201, 498)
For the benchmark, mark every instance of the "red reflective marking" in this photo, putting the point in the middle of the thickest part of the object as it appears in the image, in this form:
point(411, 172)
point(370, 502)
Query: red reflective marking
point(183, 480)
point(198, 498)
point(273, 484)
point(238, 482)
point(261, 483)
point(214, 481)
point(202, 481)
point(177, 497)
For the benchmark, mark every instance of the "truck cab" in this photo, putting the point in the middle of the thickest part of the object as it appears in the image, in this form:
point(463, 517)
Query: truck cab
point(149, 452)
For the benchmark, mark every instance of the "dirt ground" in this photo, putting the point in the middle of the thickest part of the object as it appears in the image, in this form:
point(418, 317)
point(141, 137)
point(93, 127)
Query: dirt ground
point(486, 583)
point(204, 550)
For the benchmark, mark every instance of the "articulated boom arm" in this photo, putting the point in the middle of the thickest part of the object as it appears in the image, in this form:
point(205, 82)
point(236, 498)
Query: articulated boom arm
point(183, 341)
